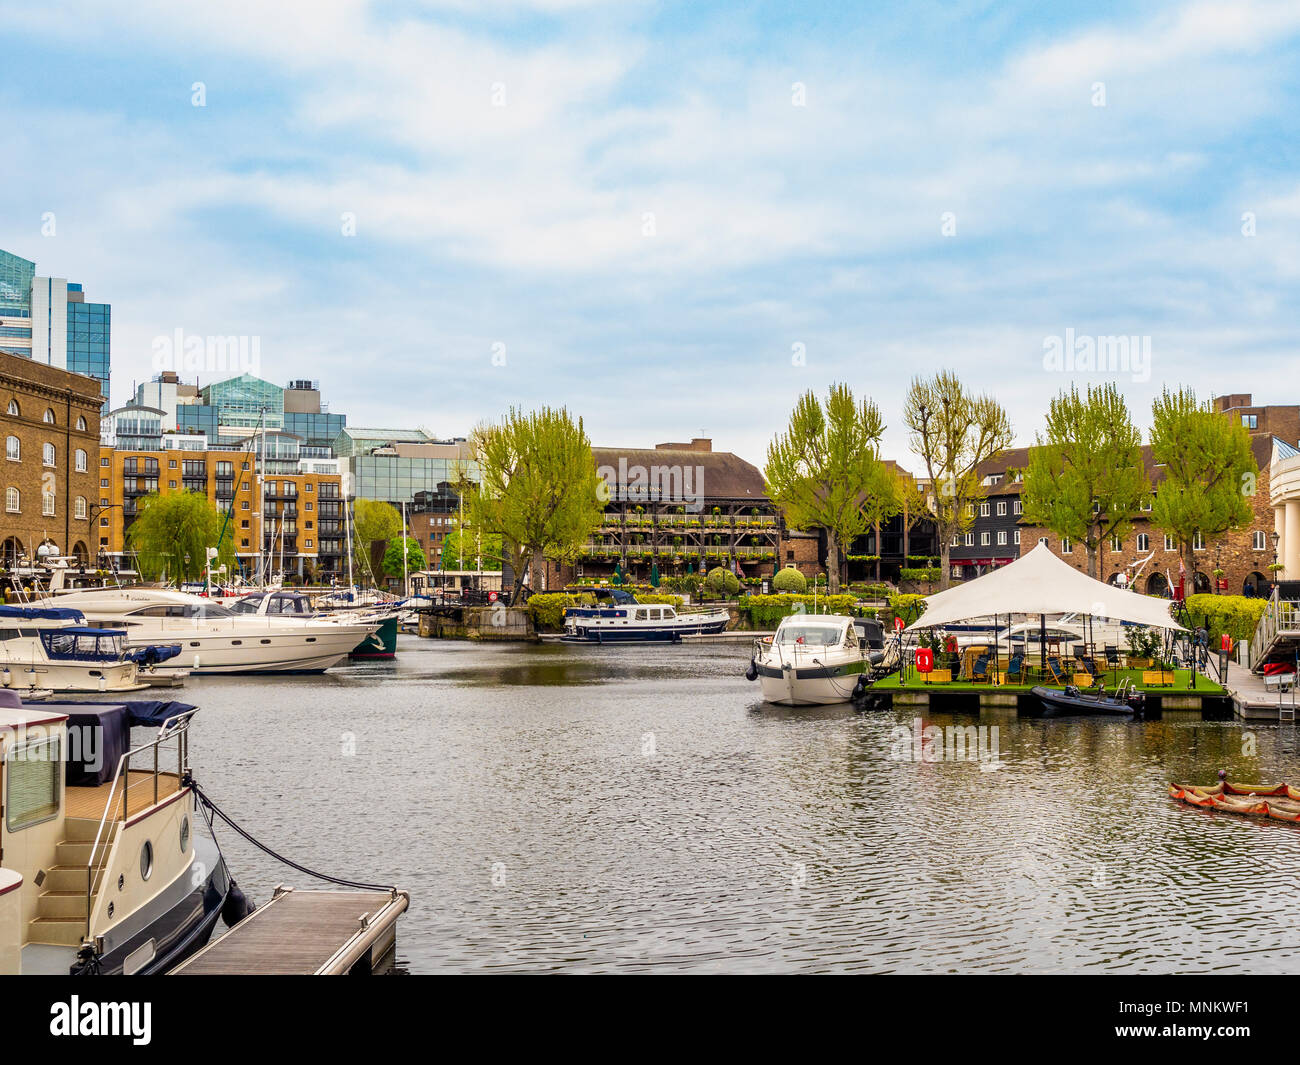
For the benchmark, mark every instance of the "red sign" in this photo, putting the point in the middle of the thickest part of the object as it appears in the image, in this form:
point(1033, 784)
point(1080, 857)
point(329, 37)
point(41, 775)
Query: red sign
point(492, 597)
point(898, 623)
point(924, 660)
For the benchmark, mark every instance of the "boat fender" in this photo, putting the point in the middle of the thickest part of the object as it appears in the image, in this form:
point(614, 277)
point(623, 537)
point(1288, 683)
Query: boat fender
point(752, 672)
point(237, 906)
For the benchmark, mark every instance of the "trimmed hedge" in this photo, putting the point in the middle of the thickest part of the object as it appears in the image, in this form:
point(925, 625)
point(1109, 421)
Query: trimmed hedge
point(907, 606)
point(1236, 615)
point(790, 580)
point(766, 611)
point(546, 609)
point(722, 582)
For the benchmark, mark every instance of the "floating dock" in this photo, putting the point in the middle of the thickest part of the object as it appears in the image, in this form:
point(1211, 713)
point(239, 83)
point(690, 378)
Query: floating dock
point(1254, 700)
point(307, 933)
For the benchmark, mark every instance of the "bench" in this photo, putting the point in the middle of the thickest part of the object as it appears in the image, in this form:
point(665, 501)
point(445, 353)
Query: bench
point(937, 676)
point(1157, 678)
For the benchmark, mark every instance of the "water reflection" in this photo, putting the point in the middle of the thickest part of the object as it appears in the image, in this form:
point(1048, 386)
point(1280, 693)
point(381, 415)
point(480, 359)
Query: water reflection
point(640, 809)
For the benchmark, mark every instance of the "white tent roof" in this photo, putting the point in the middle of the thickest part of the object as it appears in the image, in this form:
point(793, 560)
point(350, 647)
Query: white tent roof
point(1041, 583)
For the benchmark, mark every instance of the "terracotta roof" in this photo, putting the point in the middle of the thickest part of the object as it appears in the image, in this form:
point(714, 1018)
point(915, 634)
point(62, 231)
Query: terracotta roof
point(724, 475)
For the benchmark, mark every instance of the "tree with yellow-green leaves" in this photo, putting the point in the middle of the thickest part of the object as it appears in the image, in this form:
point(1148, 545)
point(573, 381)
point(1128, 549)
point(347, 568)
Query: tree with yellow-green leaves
point(825, 471)
point(171, 535)
point(953, 431)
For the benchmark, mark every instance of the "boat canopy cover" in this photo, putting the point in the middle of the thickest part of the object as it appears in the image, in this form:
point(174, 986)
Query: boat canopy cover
point(621, 597)
point(1041, 583)
point(100, 733)
point(39, 613)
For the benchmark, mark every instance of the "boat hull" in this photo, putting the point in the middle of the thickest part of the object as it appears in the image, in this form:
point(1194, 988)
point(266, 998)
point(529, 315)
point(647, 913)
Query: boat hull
point(1057, 703)
point(250, 652)
point(382, 643)
point(809, 685)
point(71, 676)
point(662, 633)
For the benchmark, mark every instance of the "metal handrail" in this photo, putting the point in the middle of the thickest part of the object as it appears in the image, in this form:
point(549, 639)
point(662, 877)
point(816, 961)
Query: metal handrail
point(176, 727)
point(1265, 630)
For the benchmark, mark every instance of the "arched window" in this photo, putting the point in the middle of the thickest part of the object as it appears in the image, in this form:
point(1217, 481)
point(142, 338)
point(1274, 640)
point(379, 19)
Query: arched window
point(13, 501)
point(13, 449)
point(81, 461)
point(47, 455)
point(79, 507)
point(14, 412)
point(47, 504)
point(49, 415)
point(81, 423)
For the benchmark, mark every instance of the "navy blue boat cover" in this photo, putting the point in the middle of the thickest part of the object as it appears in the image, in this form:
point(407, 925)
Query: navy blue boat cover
point(100, 733)
point(37, 613)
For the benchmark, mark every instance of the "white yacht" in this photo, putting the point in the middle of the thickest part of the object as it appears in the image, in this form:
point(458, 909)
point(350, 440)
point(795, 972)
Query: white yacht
point(818, 659)
point(626, 619)
point(213, 639)
point(54, 649)
point(96, 876)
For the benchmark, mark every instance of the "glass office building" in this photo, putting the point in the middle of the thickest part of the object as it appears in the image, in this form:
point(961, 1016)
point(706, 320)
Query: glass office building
point(232, 410)
point(89, 331)
point(16, 276)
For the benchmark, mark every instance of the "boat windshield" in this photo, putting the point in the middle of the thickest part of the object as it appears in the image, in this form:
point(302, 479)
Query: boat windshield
point(85, 644)
point(277, 604)
point(811, 634)
point(183, 610)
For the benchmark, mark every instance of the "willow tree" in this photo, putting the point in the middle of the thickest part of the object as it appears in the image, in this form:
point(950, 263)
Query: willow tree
point(1209, 471)
point(825, 471)
point(538, 489)
point(171, 535)
point(1085, 479)
point(953, 432)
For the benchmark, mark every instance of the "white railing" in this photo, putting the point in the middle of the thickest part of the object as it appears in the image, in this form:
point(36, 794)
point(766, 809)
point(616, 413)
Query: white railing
point(174, 728)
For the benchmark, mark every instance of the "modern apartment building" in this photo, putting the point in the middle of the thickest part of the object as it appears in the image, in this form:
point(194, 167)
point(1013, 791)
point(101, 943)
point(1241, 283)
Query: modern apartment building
point(49, 320)
point(50, 421)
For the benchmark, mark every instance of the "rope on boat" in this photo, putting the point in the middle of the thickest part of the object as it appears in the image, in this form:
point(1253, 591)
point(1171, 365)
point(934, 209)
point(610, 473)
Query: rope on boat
point(202, 797)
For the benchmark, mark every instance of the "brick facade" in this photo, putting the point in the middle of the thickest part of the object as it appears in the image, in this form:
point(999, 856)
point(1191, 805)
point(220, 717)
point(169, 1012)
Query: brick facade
point(50, 421)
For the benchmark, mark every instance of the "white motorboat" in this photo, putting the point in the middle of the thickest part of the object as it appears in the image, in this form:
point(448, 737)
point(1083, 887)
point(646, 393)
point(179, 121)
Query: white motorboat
point(213, 639)
point(818, 659)
point(295, 606)
point(54, 649)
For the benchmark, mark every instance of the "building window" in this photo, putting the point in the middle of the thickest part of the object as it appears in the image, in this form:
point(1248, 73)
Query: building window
point(970, 539)
point(1146, 505)
point(308, 542)
point(1250, 421)
point(970, 510)
point(34, 780)
point(13, 408)
point(47, 504)
point(79, 508)
point(1002, 537)
point(243, 504)
point(984, 510)
point(81, 461)
point(1169, 542)
point(1143, 542)
point(171, 484)
point(1258, 540)
point(49, 416)
point(1116, 544)
point(1017, 507)
point(1043, 540)
point(309, 487)
point(1015, 536)
point(984, 539)
point(956, 541)
point(104, 460)
point(13, 449)
point(81, 424)
point(1067, 548)
point(1002, 508)
point(47, 454)
point(1198, 541)
point(13, 501)
point(171, 464)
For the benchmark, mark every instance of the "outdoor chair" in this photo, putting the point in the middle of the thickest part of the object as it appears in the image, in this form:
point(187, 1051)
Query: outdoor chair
point(1014, 673)
point(980, 670)
point(1055, 671)
point(1087, 676)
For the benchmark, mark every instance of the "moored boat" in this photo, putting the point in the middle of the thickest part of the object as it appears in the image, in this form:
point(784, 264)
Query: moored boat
point(626, 619)
point(813, 659)
point(1126, 701)
point(97, 876)
point(53, 648)
point(1279, 802)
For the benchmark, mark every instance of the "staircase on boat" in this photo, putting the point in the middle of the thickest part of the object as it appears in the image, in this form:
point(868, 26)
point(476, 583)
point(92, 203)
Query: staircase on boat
point(63, 907)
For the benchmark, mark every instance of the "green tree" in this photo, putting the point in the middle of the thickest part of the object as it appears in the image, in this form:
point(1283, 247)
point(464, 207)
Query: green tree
point(453, 554)
point(722, 583)
point(372, 522)
point(1209, 471)
point(953, 432)
point(825, 471)
point(538, 489)
point(392, 564)
point(1085, 478)
point(171, 535)
point(789, 580)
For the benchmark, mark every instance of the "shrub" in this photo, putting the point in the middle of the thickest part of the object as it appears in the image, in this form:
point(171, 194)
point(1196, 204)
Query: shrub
point(766, 611)
point(1236, 615)
point(655, 597)
point(546, 609)
point(908, 607)
point(922, 573)
point(722, 582)
point(790, 580)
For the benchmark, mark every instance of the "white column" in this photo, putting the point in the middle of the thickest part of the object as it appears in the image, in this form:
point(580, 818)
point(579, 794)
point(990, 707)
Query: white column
point(1290, 554)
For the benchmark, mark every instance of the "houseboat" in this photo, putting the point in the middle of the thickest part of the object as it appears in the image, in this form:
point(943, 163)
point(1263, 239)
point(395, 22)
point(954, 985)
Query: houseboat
point(103, 869)
point(52, 648)
point(624, 619)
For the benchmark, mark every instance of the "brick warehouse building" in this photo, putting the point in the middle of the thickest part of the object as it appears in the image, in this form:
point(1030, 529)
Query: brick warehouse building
point(51, 429)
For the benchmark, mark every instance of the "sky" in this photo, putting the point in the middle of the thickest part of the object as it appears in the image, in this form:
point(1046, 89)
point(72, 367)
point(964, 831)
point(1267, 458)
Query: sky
point(671, 219)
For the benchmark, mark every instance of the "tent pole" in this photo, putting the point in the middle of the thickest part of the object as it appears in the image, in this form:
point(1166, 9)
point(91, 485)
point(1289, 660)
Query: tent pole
point(1042, 645)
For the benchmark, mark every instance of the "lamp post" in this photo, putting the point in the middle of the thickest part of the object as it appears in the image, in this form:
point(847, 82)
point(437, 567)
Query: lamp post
point(1218, 565)
point(95, 511)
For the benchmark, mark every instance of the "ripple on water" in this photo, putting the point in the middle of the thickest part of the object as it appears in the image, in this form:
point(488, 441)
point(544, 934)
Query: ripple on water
point(638, 809)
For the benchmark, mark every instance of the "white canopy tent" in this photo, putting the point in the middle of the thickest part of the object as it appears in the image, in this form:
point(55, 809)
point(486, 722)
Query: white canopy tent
point(1041, 583)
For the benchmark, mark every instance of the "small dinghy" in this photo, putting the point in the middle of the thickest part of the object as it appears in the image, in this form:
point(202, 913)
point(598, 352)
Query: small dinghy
point(1280, 802)
point(1127, 701)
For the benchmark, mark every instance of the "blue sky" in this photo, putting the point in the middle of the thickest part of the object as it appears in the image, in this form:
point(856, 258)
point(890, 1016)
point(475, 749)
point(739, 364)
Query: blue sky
point(641, 210)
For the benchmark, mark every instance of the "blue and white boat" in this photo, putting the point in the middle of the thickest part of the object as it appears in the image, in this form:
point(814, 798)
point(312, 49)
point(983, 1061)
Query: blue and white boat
point(625, 620)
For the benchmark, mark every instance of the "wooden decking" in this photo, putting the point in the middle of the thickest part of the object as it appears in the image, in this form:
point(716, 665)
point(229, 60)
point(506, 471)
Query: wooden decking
point(90, 802)
point(305, 933)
